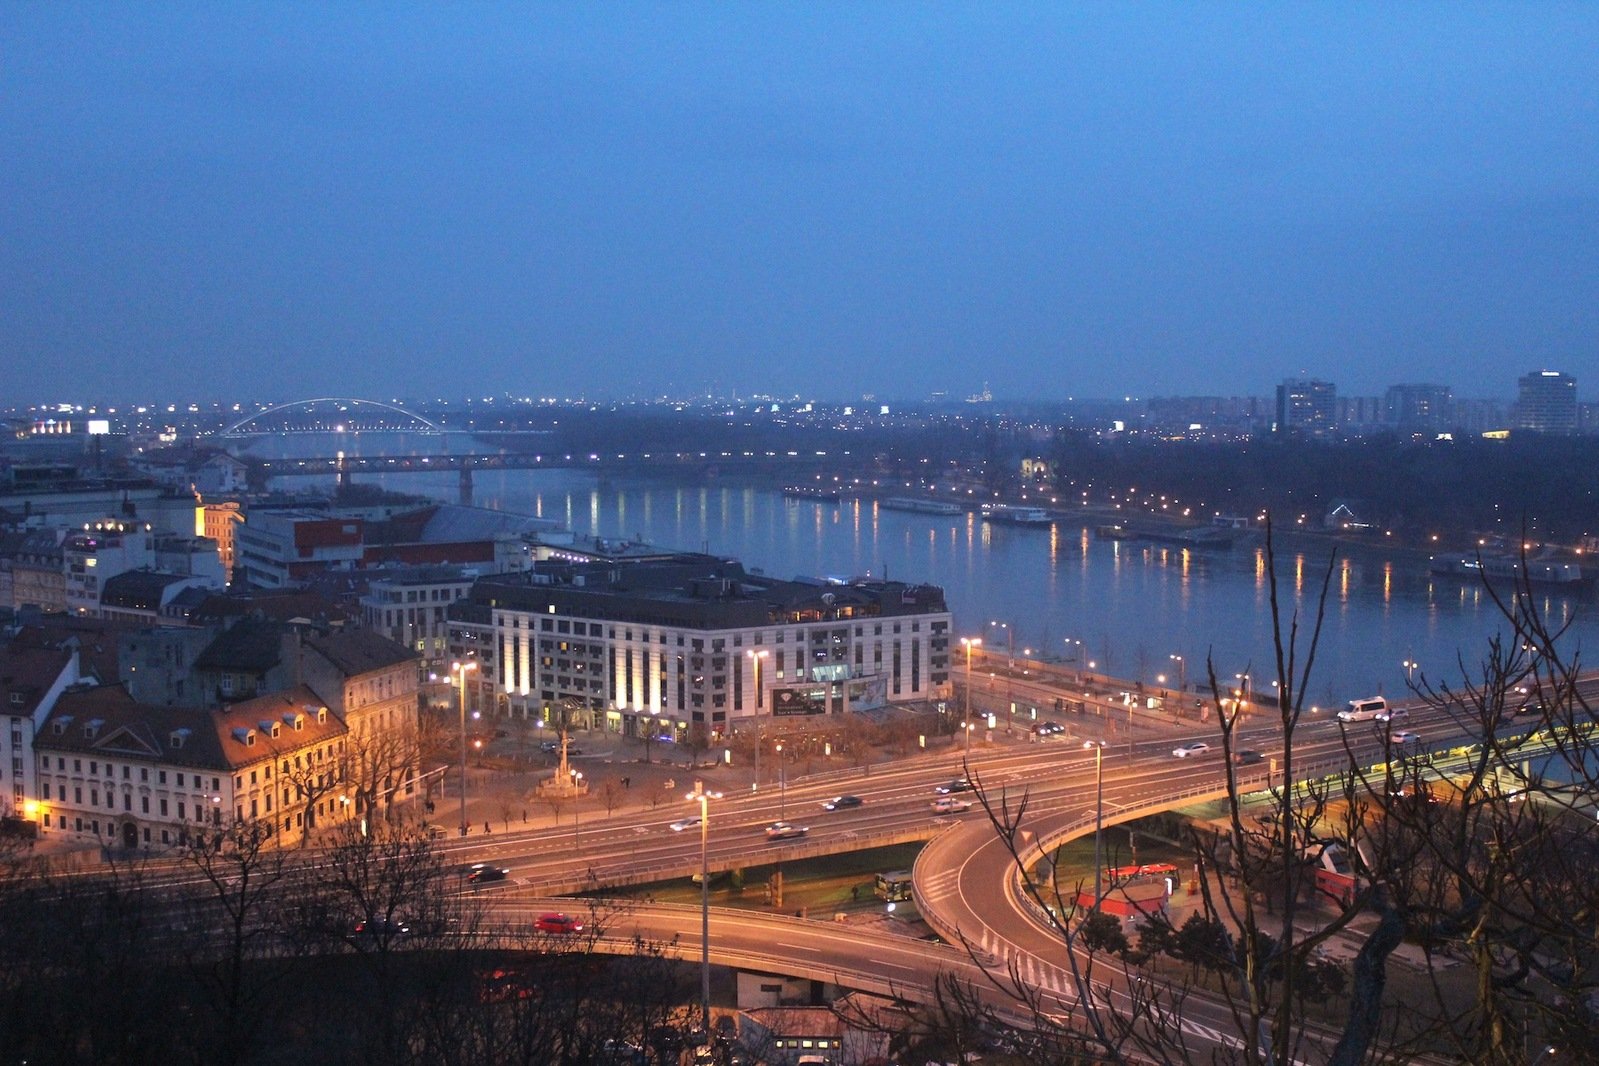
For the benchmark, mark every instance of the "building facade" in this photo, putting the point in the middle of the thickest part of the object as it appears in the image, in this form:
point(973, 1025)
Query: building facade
point(1546, 402)
point(700, 645)
point(410, 607)
point(128, 775)
point(1418, 408)
point(1308, 408)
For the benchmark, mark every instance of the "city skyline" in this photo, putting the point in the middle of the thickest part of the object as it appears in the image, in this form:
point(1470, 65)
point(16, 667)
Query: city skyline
point(650, 201)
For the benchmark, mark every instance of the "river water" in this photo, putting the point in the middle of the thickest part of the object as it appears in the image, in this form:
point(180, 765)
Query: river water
point(1126, 607)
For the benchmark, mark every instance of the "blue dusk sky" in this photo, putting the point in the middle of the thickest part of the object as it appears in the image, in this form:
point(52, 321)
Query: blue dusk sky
point(235, 200)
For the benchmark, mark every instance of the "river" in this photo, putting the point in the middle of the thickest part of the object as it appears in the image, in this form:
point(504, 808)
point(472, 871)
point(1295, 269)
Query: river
point(1127, 608)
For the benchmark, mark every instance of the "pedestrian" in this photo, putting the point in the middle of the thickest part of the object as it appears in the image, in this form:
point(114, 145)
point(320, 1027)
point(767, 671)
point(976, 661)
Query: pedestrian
point(524, 815)
point(486, 828)
point(627, 782)
point(855, 894)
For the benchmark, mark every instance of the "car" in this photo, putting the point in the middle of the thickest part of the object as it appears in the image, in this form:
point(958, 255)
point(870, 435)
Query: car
point(1391, 713)
point(1247, 757)
point(785, 830)
point(557, 923)
point(1183, 751)
point(381, 927)
point(691, 822)
point(960, 784)
point(842, 803)
point(481, 873)
point(1363, 710)
point(1048, 729)
point(1401, 737)
point(950, 805)
point(550, 747)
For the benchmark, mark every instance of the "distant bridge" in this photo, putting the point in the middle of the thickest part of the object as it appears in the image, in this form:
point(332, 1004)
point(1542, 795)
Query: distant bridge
point(329, 414)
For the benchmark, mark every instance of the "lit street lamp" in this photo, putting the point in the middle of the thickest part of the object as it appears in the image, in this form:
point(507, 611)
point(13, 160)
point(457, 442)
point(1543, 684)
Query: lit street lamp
point(966, 715)
point(1010, 668)
point(577, 794)
point(1099, 809)
point(756, 657)
point(782, 783)
point(703, 798)
point(461, 669)
point(1411, 666)
point(1182, 671)
point(1076, 659)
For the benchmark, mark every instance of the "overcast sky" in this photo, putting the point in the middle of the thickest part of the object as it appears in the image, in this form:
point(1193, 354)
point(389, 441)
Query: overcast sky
point(230, 201)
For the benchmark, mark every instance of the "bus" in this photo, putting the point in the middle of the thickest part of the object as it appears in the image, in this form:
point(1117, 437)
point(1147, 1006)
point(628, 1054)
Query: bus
point(1133, 875)
point(894, 886)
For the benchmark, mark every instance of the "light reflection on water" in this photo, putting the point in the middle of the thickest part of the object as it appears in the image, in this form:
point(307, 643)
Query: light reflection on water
point(1132, 605)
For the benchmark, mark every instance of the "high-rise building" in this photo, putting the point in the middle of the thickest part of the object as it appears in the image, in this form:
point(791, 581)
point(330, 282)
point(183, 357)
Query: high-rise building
point(1418, 408)
point(1546, 401)
point(1307, 407)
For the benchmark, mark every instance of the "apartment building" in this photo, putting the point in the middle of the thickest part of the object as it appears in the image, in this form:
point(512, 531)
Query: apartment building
point(698, 643)
point(134, 776)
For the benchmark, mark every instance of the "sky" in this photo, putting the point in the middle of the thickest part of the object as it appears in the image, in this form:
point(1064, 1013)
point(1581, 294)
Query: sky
point(828, 200)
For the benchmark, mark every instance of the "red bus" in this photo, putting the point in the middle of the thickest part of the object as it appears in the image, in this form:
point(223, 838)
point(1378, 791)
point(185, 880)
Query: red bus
point(1132, 875)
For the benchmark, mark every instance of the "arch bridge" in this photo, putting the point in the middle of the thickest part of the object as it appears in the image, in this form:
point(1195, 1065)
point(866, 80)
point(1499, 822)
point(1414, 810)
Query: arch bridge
point(328, 414)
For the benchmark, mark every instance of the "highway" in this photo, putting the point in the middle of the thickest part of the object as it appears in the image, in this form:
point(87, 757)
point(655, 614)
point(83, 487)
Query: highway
point(965, 880)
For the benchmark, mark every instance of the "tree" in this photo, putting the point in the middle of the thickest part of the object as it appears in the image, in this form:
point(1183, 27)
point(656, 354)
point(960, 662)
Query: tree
point(1483, 852)
point(231, 918)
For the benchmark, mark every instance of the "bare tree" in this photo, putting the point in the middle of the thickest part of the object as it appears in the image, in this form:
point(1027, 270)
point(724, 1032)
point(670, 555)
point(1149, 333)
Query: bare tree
point(232, 918)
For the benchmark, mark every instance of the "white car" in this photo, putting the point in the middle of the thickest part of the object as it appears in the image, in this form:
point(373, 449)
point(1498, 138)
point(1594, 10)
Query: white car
point(1391, 713)
point(1400, 737)
point(785, 830)
point(1183, 751)
point(681, 824)
point(951, 805)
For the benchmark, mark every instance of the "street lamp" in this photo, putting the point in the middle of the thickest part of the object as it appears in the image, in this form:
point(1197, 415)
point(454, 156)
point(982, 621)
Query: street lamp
point(1243, 690)
point(782, 783)
point(703, 798)
point(1010, 668)
point(1099, 809)
point(1411, 666)
point(461, 669)
point(1076, 659)
point(1182, 671)
point(966, 715)
point(756, 657)
point(577, 794)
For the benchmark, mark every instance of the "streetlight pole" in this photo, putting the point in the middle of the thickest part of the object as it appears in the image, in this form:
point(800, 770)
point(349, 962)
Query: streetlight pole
point(703, 797)
point(460, 669)
point(1076, 659)
point(782, 783)
point(1411, 666)
point(966, 715)
point(1010, 669)
point(1099, 810)
point(577, 794)
point(756, 657)
point(1182, 672)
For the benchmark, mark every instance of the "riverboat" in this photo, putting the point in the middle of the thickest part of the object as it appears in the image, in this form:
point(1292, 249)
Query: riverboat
point(1507, 568)
point(920, 506)
point(811, 492)
point(1016, 515)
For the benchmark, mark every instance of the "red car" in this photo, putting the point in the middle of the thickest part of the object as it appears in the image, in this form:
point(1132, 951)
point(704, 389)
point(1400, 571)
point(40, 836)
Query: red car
point(560, 924)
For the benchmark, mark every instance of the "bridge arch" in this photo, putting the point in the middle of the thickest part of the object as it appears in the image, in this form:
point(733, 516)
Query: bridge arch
point(341, 405)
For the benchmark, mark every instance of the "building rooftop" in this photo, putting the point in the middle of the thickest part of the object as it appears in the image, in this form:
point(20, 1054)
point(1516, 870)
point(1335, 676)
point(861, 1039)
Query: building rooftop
point(354, 652)
point(138, 590)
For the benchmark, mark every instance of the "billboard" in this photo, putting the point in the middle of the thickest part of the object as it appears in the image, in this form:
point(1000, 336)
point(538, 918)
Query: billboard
point(793, 701)
point(866, 693)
